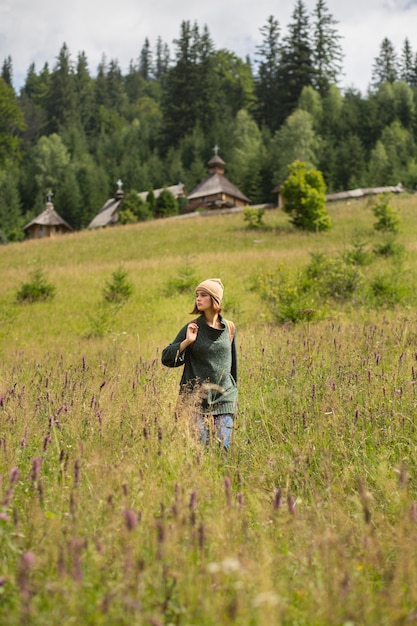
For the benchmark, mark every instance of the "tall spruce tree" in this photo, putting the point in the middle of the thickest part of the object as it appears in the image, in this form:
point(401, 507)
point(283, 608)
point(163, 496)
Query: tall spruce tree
point(84, 86)
point(407, 71)
point(11, 123)
point(189, 87)
point(297, 65)
point(145, 60)
point(327, 55)
point(162, 59)
point(385, 68)
point(62, 101)
point(266, 82)
point(7, 71)
point(116, 94)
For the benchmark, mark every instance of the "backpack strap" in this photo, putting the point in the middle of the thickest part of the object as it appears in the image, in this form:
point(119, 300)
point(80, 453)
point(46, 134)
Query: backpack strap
point(231, 329)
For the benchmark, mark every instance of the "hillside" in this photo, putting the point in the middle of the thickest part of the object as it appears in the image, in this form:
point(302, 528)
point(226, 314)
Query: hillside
point(112, 512)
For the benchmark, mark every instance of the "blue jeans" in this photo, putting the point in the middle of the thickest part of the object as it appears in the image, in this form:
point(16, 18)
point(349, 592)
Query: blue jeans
point(218, 426)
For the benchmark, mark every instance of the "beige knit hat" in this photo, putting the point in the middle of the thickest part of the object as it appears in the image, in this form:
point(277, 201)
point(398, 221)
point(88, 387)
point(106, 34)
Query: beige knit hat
point(214, 287)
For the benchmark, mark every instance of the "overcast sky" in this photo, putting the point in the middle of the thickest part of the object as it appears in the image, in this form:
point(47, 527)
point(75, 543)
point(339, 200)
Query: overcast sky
point(34, 30)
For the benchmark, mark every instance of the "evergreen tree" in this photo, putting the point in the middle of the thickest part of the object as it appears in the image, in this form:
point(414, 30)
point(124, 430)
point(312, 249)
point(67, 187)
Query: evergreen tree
point(311, 101)
point(62, 100)
point(11, 124)
point(166, 204)
point(413, 82)
point(36, 87)
point(11, 220)
point(247, 157)
point(385, 68)
point(134, 83)
point(235, 86)
point(296, 140)
point(297, 66)
point(379, 169)
point(406, 69)
point(347, 168)
point(405, 106)
point(7, 71)
point(189, 86)
point(84, 86)
point(116, 95)
point(68, 200)
point(327, 54)
point(50, 160)
point(162, 59)
point(266, 82)
point(304, 194)
point(145, 60)
point(100, 92)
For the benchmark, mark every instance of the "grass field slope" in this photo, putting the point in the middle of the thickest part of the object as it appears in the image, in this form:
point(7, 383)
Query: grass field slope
point(112, 513)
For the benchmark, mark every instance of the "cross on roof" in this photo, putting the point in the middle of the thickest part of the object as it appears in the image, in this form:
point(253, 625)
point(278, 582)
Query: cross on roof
point(119, 184)
point(216, 149)
point(49, 195)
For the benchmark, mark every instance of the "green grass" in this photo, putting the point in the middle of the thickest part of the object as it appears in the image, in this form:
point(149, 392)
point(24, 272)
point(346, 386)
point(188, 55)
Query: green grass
point(112, 513)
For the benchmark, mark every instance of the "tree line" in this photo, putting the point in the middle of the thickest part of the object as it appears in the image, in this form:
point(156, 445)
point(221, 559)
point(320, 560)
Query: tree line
point(156, 124)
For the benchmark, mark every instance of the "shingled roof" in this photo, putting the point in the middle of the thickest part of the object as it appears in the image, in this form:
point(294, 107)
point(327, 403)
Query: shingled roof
point(216, 190)
point(48, 217)
point(216, 184)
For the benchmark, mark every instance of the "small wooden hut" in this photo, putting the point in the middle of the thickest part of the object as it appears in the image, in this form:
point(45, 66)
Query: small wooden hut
point(216, 191)
point(48, 223)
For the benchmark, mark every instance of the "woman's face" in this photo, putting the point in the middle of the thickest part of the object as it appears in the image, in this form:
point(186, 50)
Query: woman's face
point(203, 300)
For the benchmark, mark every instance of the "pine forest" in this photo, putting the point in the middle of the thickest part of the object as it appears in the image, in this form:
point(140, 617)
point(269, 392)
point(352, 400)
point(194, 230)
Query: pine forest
point(74, 132)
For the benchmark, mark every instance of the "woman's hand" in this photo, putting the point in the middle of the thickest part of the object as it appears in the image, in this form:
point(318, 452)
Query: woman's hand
point(192, 331)
point(190, 337)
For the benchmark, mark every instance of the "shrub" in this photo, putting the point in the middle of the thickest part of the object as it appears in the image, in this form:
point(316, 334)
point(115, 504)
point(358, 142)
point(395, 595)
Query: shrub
point(166, 204)
point(390, 248)
point(358, 254)
point(253, 217)
point(185, 281)
point(37, 289)
point(287, 296)
point(118, 289)
point(134, 205)
point(304, 194)
point(387, 217)
point(388, 290)
point(333, 277)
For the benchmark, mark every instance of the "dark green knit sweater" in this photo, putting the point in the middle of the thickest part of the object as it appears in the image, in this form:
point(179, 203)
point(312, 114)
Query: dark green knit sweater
point(210, 365)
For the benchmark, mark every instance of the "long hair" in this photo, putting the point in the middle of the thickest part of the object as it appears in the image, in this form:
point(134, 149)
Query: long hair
point(216, 307)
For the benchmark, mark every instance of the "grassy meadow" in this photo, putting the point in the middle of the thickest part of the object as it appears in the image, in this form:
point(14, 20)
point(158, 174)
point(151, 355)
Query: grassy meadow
point(111, 511)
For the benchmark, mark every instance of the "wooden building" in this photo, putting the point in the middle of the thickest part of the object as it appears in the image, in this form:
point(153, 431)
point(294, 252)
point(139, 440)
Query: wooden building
point(215, 191)
point(48, 223)
point(109, 212)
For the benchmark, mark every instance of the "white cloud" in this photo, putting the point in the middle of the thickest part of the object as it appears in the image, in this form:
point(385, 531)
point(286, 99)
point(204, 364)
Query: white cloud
point(34, 30)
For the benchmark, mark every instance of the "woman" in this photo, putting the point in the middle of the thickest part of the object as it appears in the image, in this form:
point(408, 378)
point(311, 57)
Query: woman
point(206, 347)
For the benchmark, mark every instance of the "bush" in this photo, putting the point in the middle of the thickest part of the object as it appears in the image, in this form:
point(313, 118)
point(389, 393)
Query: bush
point(166, 204)
point(253, 217)
point(304, 195)
point(388, 290)
point(387, 217)
point(37, 289)
point(333, 277)
point(390, 248)
point(185, 281)
point(118, 289)
point(287, 296)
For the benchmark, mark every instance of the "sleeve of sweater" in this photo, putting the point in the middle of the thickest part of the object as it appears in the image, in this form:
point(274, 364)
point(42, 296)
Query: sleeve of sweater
point(171, 356)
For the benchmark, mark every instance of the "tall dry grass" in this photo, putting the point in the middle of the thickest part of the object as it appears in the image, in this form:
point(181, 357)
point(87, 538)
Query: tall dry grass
point(113, 513)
